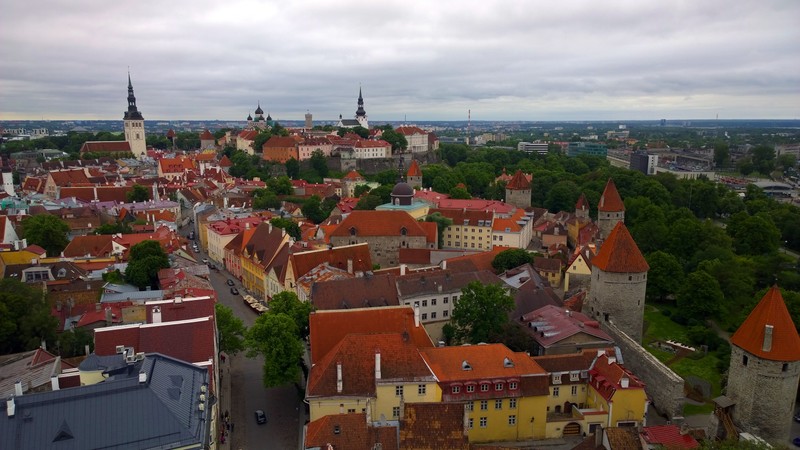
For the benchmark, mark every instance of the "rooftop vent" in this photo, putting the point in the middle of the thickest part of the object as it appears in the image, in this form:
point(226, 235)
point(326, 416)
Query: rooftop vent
point(465, 365)
point(507, 362)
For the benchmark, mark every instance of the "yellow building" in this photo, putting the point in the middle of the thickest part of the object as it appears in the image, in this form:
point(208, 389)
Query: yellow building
point(579, 268)
point(471, 230)
point(259, 254)
point(372, 374)
point(615, 390)
point(505, 392)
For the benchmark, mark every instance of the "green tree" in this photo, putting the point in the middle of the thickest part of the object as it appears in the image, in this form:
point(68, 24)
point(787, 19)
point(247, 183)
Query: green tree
point(280, 185)
point(113, 228)
point(231, 330)
point(72, 343)
point(292, 168)
point(722, 154)
point(753, 235)
point(287, 303)
point(453, 153)
point(481, 312)
point(665, 276)
point(786, 160)
point(360, 190)
point(312, 209)
point(265, 199)
point(25, 318)
point(508, 259)
point(138, 193)
point(145, 260)
point(260, 140)
point(763, 157)
point(275, 337)
point(359, 130)
point(319, 163)
point(459, 192)
point(46, 231)
point(291, 227)
point(700, 296)
point(398, 141)
point(369, 202)
point(562, 196)
point(442, 223)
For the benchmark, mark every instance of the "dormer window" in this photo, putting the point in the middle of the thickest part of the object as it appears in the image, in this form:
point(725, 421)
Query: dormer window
point(573, 376)
point(556, 378)
point(403, 231)
point(352, 231)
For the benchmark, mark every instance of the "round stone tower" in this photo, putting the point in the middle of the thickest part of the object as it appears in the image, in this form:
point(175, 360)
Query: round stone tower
point(619, 282)
point(518, 190)
point(414, 175)
point(765, 369)
point(610, 210)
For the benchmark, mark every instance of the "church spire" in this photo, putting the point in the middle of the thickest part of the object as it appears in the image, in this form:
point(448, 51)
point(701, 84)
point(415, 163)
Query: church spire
point(360, 111)
point(132, 113)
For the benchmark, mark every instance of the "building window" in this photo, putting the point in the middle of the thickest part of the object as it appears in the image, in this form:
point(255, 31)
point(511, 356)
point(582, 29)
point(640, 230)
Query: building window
point(744, 360)
point(455, 298)
point(555, 391)
point(484, 405)
point(433, 315)
point(574, 391)
point(456, 389)
point(512, 419)
point(424, 316)
point(470, 388)
point(351, 411)
point(424, 303)
point(498, 404)
point(470, 406)
point(512, 385)
point(445, 313)
point(470, 423)
point(395, 411)
point(422, 389)
point(433, 302)
point(446, 300)
point(574, 376)
point(498, 386)
point(512, 403)
point(484, 387)
point(398, 391)
point(484, 422)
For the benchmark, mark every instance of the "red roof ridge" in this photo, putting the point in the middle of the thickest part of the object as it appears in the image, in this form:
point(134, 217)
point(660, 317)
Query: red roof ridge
point(619, 253)
point(770, 311)
point(519, 181)
point(610, 200)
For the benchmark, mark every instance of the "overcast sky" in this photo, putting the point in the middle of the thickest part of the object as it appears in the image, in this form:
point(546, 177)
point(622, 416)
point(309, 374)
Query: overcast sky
point(423, 60)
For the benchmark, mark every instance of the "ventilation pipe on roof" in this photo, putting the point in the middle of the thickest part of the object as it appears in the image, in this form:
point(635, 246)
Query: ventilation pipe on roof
point(10, 407)
point(377, 364)
point(18, 388)
point(416, 317)
point(624, 382)
point(767, 345)
point(54, 383)
point(142, 377)
point(156, 314)
point(350, 266)
point(402, 269)
point(444, 264)
point(339, 377)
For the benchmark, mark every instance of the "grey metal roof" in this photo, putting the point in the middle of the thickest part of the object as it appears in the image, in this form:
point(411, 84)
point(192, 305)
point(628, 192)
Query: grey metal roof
point(120, 412)
point(132, 296)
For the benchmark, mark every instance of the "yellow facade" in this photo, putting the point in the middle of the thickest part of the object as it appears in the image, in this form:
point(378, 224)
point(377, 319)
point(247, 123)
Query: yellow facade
point(328, 406)
point(506, 419)
point(216, 244)
point(387, 404)
point(626, 405)
point(578, 267)
point(468, 237)
point(253, 278)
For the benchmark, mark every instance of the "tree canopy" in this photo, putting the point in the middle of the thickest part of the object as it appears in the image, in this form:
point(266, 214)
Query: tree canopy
point(508, 259)
point(481, 312)
point(275, 337)
point(46, 231)
point(287, 303)
point(138, 193)
point(231, 330)
point(25, 318)
point(145, 260)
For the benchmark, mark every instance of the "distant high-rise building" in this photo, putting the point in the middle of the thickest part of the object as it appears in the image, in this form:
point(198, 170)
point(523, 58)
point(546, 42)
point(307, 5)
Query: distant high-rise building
point(134, 125)
point(587, 148)
point(644, 162)
point(309, 123)
point(533, 147)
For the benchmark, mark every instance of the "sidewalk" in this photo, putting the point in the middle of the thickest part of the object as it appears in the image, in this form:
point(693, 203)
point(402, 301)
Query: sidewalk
point(224, 401)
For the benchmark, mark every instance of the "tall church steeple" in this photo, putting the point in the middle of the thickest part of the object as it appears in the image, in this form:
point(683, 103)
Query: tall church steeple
point(361, 114)
point(134, 124)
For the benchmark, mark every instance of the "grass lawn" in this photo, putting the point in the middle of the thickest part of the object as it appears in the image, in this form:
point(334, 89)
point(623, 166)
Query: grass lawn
point(661, 327)
point(693, 410)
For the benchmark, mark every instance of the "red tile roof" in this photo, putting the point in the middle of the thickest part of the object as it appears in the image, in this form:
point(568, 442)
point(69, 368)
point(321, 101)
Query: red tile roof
point(175, 165)
point(282, 141)
point(353, 175)
point(519, 181)
point(73, 177)
point(414, 170)
point(380, 223)
point(486, 361)
point(338, 257)
point(349, 431)
point(91, 245)
point(206, 136)
point(410, 130)
point(328, 328)
point(610, 201)
point(475, 261)
point(620, 253)
point(433, 425)
point(582, 203)
point(668, 436)
point(475, 204)
point(771, 310)
point(106, 147)
point(607, 376)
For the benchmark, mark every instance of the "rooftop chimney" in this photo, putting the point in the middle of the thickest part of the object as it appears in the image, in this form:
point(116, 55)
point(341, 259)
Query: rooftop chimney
point(349, 265)
point(767, 345)
point(142, 377)
point(156, 314)
point(10, 407)
point(416, 316)
point(109, 316)
point(339, 377)
point(18, 388)
point(402, 269)
point(444, 264)
point(624, 382)
point(54, 383)
point(378, 365)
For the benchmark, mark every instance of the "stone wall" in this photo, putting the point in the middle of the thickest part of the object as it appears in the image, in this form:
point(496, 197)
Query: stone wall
point(618, 297)
point(663, 385)
point(384, 250)
point(764, 392)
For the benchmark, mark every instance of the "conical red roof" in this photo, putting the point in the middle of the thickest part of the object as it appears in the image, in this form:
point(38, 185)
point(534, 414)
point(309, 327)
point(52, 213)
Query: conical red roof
point(620, 253)
point(519, 181)
point(206, 136)
point(414, 170)
point(171, 133)
point(771, 310)
point(582, 204)
point(610, 201)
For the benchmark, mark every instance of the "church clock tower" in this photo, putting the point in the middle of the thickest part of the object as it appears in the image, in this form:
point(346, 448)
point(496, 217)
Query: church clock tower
point(134, 125)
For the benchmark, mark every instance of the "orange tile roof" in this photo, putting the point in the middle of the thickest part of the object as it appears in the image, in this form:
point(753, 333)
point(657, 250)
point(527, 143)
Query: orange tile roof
point(607, 375)
point(486, 362)
point(519, 181)
point(475, 261)
point(175, 165)
point(410, 130)
point(349, 431)
point(93, 245)
point(433, 425)
point(337, 257)
point(225, 161)
point(620, 253)
point(610, 201)
point(414, 170)
point(206, 135)
point(771, 310)
point(380, 223)
point(70, 177)
point(328, 328)
point(353, 175)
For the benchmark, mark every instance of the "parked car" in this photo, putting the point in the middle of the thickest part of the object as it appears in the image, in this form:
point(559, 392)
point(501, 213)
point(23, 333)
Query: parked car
point(796, 441)
point(234, 291)
point(261, 418)
point(230, 282)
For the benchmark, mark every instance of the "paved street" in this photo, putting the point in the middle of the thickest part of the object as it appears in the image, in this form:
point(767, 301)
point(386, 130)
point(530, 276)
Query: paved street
point(283, 406)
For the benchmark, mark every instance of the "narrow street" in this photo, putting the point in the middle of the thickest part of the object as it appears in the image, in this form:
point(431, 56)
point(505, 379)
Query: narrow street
point(282, 405)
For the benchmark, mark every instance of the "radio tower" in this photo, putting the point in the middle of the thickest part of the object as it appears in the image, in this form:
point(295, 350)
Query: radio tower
point(469, 126)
